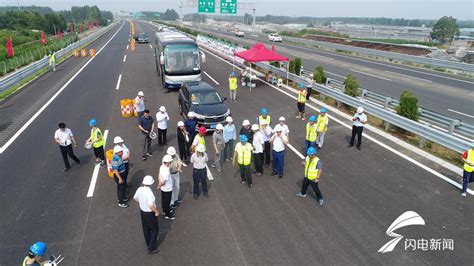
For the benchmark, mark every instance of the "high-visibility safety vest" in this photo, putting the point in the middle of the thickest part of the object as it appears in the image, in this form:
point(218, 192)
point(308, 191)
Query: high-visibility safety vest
point(322, 123)
point(301, 96)
point(52, 58)
point(97, 138)
point(201, 140)
point(244, 153)
point(310, 169)
point(470, 158)
point(233, 83)
point(261, 119)
point(311, 132)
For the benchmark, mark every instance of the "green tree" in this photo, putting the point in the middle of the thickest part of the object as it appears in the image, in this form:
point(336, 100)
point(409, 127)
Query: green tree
point(297, 64)
point(351, 86)
point(291, 66)
point(408, 106)
point(319, 75)
point(445, 29)
point(170, 14)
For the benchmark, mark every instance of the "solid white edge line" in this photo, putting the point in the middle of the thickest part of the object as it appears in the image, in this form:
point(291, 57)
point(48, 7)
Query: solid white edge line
point(127, 46)
point(124, 58)
point(368, 74)
point(27, 124)
point(209, 173)
point(151, 46)
point(95, 174)
point(443, 177)
point(117, 87)
point(295, 151)
point(457, 112)
point(209, 76)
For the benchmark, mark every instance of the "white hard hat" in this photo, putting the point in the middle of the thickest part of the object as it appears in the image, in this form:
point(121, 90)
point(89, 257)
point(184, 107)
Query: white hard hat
point(171, 151)
point(162, 108)
point(191, 114)
point(117, 149)
point(167, 158)
point(219, 126)
point(229, 119)
point(278, 128)
point(200, 148)
point(281, 118)
point(140, 93)
point(255, 127)
point(117, 140)
point(360, 109)
point(148, 180)
point(311, 75)
point(180, 124)
point(246, 123)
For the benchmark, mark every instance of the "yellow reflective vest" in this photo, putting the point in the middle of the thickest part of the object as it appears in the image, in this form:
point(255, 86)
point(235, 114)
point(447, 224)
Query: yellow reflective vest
point(244, 153)
point(470, 158)
point(97, 138)
point(201, 140)
point(233, 83)
point(301, 96)
point(311, 168)
point(260, 119)
point(311, 132)
point(322, 123)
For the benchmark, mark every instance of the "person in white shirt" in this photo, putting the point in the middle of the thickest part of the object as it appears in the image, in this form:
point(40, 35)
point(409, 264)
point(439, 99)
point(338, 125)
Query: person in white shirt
point(279, 141)
point(257, 143)
point(148, 213)
point(140, 103)
point(118, 141)
point(162, 121)
point(165, 183)
point(358, 121)
point(64, 137)
point(175, 170)
point(284, 128)
point(199, 159)
point(266, 133)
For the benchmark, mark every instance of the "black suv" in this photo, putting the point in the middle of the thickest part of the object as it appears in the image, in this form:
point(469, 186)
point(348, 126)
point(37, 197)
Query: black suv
point(202, 99)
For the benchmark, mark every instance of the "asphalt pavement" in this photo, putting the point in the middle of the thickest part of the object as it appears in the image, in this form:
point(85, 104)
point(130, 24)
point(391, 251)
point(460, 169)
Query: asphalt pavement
point(364, 191)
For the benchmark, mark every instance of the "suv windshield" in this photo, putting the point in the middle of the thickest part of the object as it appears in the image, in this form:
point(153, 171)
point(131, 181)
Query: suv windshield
point(205, 97)
point(181, 59)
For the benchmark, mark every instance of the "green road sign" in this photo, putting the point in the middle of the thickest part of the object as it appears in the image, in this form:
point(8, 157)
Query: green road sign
point(207, 6)
point(228, 6)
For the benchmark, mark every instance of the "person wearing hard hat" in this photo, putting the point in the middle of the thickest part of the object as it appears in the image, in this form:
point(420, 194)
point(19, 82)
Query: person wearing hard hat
point(312, 173)
point(148, 213)
point(230, 135)
point(183, 140)
point(97, 141)
point(322, 127)
point(468, 173)
point(264, 116)
point(191, 126)
point(358, 121)
point(284, 127)
point(140, 103)
point(279, 140)
point(266, 133)
point(52, 60)
point(245, 130)
point(175, 170)
point(309, 87)
point(233, 87)
point(118, 141)
point(199, 139)
point(165, 184)
point(243, 154)
point(162, 119)
point(64, 137)
point(301, 101)
point(218, 145)
point(35, 254)
point(311, 127)
point(199, 159)
point(257, 144)
point(146, 126)
point(120, 176)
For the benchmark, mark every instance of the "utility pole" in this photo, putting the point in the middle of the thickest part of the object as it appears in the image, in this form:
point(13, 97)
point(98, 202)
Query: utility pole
point(253, 22)
point(18, 3)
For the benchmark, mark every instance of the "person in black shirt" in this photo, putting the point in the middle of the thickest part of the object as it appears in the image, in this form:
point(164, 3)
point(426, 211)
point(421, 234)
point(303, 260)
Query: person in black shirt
point(183, 142)
point(245, 130)
point(146, 125)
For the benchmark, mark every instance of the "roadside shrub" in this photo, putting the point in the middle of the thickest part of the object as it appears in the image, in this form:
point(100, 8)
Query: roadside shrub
point(408, 106)
point(319, 75)
point(297, 66)
point(351, 86)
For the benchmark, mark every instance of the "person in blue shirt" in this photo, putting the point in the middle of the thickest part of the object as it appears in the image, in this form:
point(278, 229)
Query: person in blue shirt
point(120, 176)
point(191, 125)
point(229, 135)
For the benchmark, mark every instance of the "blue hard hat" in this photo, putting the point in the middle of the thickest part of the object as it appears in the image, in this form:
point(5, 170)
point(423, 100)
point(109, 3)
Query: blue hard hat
point(93, 122)
point(243, 138)
point(311, 151)
point(323, 110)
point(312, 118)
point(38, 249)
point(232, 74)
point(302, 85)
point(263, 111)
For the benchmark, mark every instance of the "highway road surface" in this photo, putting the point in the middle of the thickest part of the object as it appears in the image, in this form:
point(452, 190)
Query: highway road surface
point(77, 215)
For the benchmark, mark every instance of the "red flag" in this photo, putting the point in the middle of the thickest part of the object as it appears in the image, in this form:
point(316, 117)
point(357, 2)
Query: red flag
point(72, 27)
point(60, 35)
point(80, 28)
point(10, 51)
point(97, 23)
point(43, 39)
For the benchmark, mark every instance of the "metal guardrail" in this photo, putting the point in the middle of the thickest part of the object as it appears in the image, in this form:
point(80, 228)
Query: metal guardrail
point(17, 76)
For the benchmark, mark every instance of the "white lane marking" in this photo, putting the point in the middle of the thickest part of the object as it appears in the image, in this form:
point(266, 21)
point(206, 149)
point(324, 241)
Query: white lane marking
point(209, 76)
point(408, 76)
point(457, 112)
point(422, 166)
point(127, 46)
point(129, 39)
point(90, 192)
point(124, 58)
point(334, 74)
point(209, 173)
point(295, 151)
point(372, 75)
point(151, 46)
point(117, 87)
point(28, 123)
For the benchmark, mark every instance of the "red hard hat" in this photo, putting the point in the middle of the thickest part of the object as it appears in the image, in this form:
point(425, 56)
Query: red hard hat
point(202, 130)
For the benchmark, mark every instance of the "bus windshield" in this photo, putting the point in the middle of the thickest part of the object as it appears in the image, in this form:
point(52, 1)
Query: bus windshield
point(181, 59)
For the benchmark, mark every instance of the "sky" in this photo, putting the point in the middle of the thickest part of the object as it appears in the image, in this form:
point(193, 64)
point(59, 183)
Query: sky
point(409, 9)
